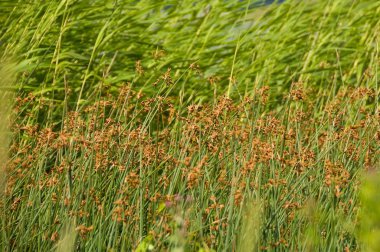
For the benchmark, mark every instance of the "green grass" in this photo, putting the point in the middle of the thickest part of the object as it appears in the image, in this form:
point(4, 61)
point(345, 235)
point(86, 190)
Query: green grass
point(199, 127)
point(89, 44)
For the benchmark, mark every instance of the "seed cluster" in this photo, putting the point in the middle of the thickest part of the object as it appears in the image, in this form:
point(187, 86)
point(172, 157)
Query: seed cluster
point(129, 167)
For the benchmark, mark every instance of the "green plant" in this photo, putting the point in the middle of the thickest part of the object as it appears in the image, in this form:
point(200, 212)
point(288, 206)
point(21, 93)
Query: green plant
point(151, 126)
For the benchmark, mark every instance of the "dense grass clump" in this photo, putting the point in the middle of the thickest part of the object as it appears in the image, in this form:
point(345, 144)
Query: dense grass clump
point(129, 170)
point(189, 126)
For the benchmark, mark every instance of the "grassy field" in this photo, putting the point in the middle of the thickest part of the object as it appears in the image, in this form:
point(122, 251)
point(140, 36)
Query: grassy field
point(189, 126)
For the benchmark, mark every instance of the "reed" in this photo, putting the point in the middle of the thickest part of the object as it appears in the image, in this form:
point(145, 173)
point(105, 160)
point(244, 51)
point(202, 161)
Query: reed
point(208, 126)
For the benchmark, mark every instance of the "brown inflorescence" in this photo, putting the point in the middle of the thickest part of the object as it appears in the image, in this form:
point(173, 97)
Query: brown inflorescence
point(131, 162)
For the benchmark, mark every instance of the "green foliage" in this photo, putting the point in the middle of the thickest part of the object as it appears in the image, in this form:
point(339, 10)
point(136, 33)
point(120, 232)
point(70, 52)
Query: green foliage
point(88, 44)
point(189, 125)
point(67, 237)
point(249, 237)
point(7, 76)
point(370, 213)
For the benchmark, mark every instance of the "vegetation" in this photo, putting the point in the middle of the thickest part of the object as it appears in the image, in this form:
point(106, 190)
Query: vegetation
point(189, 126)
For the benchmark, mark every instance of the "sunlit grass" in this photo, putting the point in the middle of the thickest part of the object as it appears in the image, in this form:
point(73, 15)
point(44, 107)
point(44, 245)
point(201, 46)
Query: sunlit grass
point(189, 127)
point(6, 100)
